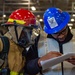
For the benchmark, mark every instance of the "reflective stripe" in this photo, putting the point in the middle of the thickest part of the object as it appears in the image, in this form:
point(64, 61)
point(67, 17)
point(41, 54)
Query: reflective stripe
point(17, 21)
point(13, 73)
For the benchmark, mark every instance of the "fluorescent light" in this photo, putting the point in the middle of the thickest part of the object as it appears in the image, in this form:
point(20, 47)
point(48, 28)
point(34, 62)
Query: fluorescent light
point(70, 24)
point(74, 8)
point(72, 20)
point(70, 27)
point(33, 8)
point(73, 15)
point(38, 15)
point(40, 20)
point(4, 15)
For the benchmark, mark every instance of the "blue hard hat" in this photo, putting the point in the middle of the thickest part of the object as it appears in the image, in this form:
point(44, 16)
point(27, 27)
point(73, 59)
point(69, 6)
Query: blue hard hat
point(55, 20)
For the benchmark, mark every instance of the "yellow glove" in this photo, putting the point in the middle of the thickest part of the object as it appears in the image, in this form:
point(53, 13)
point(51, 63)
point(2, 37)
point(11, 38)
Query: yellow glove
point(13, 73)
point(21, 74)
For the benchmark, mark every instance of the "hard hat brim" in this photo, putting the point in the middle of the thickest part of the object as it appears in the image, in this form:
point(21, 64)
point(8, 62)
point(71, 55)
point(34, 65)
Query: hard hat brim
point(12, 24)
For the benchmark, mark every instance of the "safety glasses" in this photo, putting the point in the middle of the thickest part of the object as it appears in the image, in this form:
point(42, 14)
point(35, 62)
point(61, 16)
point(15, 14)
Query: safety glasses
point(62, 32)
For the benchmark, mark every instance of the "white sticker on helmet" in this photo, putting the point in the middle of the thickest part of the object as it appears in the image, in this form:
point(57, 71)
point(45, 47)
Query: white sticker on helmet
point(52, 22)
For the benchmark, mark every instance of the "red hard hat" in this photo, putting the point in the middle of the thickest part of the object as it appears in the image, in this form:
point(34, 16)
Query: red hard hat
point(23, 17)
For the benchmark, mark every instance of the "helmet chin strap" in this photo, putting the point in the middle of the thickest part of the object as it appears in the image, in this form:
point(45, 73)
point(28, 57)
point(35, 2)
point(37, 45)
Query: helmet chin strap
point(15, 27)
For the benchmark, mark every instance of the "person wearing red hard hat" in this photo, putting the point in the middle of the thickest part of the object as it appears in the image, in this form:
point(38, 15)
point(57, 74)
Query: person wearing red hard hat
point(19, 46)
point(22, 33)
point(21, 28)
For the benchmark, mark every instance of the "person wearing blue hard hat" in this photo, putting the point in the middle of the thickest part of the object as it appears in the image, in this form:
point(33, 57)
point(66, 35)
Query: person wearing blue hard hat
point(57, 37)
point(55, 20)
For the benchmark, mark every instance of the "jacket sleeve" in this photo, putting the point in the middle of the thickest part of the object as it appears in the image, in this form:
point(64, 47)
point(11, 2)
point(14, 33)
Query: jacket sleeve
point(1, 45)
point(32, 67)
